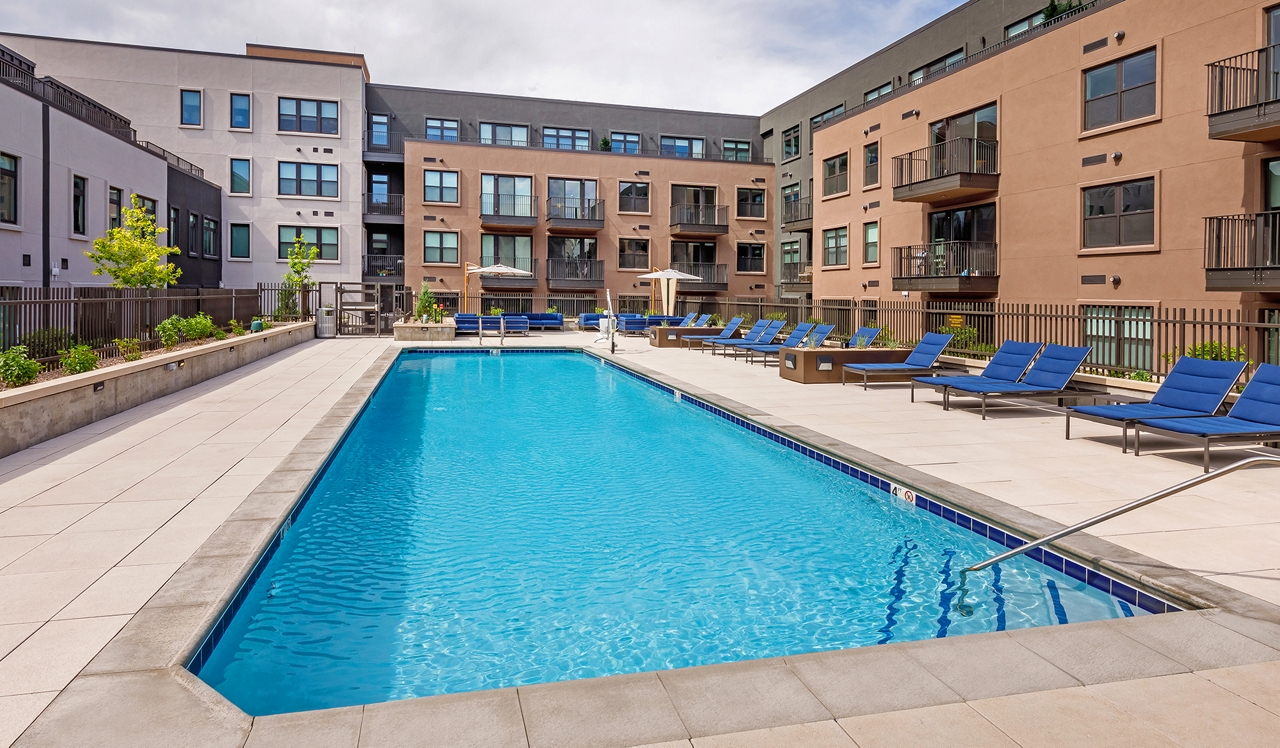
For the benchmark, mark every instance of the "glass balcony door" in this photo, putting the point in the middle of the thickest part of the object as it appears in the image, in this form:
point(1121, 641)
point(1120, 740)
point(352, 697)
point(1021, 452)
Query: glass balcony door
point(571, 198)
point(506, 196)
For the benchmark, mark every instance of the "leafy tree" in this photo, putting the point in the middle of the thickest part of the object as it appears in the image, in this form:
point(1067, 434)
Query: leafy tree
point(130, 254)
point(298, 277)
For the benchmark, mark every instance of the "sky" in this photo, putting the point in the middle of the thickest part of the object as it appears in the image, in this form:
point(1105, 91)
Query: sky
point(738, 56)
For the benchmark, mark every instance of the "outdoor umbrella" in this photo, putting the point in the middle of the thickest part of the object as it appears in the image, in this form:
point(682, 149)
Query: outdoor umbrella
point(669, 278)
point(498, 269)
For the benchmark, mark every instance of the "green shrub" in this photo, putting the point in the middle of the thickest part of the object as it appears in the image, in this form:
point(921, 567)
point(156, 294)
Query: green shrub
point(715, 320)
point(776, 316)
point(16, 369)
point(219, 334)
point(964, 338)
point(46, 342)
point(495, 311)
point(1138, 376)
point(78, 359)
point(197, 327)
point(552, 310)
point(813, 320)
point(601, 310)
point(169, 330)
point(130, 348)
point(1212, 350)
point(236, 327)
point(266, 322)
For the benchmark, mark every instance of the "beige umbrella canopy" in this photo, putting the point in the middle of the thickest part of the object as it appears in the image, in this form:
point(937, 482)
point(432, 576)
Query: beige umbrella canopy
point(498, 269)
point(669, 278)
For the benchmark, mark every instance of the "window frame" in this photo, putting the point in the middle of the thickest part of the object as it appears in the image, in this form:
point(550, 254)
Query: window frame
point(626, 240)
point(698, 153)
point(210, 248)
point(1032, 21)
point(875, 93)
point(79, 205)
point(298, 179)
point(441, 247)
point(836, 175)
point(115, 207)
point(868, 261)
point(756, 206)
point(15, 187)
point(837, 261)
point(1119, 92)
point(248, 238)
point(182, 108)
point(751, 260)
point(1154, 212)
point(175, 220)
point(443, 121)
point(283, 256)
point(248, 192)
point(647, 197)
point(934, 66)
point(493, 138)
point(231, 120)
point(791, 139)
point(573, 133)
point(194, 238)
point(624, 138)
point(442, 187)
point(739, 148)
point(319, 116)
point(867, 151)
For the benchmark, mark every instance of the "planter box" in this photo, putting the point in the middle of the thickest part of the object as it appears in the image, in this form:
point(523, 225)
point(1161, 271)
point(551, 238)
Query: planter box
point(425, 331)
point(39, 412)
point(669, 337)
point(823, 365)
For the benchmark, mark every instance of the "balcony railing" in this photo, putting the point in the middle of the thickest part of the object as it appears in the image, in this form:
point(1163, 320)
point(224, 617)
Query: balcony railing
point(960, 259)
point(709, 272)
point(797, 272)
point(67, 99)
point(384, 265)
point(383, 142)
point(956, 156)
point(384, 205)
point(575, 270)
point(394, 143)
point(797, 210)
point(1244, 80)
point(699, 215)
point(1242, 242)
point(575, 208)
point(509, 206)
point(630, 204)
point(173, 159)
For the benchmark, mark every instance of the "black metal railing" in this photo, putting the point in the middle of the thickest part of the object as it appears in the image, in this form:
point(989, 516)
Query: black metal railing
point(395, 144)
point(384, 142)
point(173, 159)
point(575, 270)
point(575, 208)
point(67, 99)
point(945, 260)
point(956, 156)
point(1244, 80)
point(835, 184)
point(384, 265)
point(797, 210)
point(709, 272)
point(797, 272)
point(527, 264)
point(510, 206)
point(1242, 241)
point(383, 205)
point(699, 215)
point(631, 204)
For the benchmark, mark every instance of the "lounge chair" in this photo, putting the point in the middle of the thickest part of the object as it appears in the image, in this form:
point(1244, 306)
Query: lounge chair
point(765, 336)
point(726, 333)
point(688, 320)
point(1254, 418)
point(1048, 379)
point(923, 359)
point(816, 336)
point(702, 321)
point(1006, 367)
point(793, 339)
point(867, 335)
point(1193, 387)
point(467, 324)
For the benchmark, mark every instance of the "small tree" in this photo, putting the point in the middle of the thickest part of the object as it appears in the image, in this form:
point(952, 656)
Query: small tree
point(427, 308)
point(298, 277)
point(606, 144)
point(130, 254)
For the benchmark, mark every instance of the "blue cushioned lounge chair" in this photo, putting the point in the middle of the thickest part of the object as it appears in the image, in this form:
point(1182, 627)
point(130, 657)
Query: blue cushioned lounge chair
point(467, 324)
point(1254, 418)
point(725, 334)
point(1049, 378)
point(818, 334)
point(765, 337)
point(1193, 387)
point(688, 320)
point(1006, 367)
point(921, 361)
point(702, 321)
point(868, 336)
point(791, 340)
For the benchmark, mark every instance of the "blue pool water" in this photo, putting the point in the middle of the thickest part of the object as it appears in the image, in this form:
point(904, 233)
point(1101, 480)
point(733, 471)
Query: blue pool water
point(496, 521)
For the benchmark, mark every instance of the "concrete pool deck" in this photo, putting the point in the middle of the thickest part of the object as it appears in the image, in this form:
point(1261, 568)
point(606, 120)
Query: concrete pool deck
point(94, 523)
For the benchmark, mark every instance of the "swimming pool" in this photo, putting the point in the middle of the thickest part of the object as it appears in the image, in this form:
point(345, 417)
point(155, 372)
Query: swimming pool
point(501, 520)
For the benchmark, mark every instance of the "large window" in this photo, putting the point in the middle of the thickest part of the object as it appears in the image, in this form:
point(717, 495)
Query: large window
point(737, 150)
point(942, 63)
point(322, 238)
point(495, 134)
point(791, 142)
point(308, 180)
point(114, 197)
point(240, 176)
point(8, 188)
point(624, 142)
point(750, 203)
point(696, 253)
point(147, 204)
point(871, 243)
point(1026, 24)
point(976, 123)
point(1120, 91)
point(439, 186)
point(682, 147)
point(572, 198)
point(570, 248)
point(835, 175)
point(506, 196)
point(192, 111)
point(835, 247)
point(210, 238)
point(1120, 336)
point(973, 224)
point(440, 247)
point(379, 131)
point(240, 112)
point(78, 188)
point(307, 115)
point(240, 241)
point(513, 251)
point(442, 129)
point(566, 140)
point(876, 93)
point(633, 254)
point(790, 253)
point(175, 223)
point(1117, 215)
point(633, 197)
point(750, 258)
point(870, 164)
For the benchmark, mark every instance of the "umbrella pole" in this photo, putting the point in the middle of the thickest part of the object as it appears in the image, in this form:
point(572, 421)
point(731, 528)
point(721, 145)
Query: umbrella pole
point(653, 290)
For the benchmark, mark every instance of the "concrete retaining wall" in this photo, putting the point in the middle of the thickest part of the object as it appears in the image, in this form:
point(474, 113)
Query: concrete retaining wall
point(35, 413)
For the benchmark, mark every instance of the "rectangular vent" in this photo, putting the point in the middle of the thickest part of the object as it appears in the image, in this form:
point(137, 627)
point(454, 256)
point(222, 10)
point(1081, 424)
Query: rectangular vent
point(328, 150)
point(315, 150)
point(1097, 160)
point(1095, 46)
point(430, 279)
point(428, 159)
point(873, 284)
point(644, 284)
point(644, 227)
point(328, 214)
point(874, 127)
point(315, 212)
point(875, 204)
point(428, 218)
point(642, 174)
point(1093, 280)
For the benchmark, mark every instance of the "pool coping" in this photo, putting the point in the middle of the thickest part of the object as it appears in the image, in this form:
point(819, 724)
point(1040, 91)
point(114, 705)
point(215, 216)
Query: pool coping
point(142, 670)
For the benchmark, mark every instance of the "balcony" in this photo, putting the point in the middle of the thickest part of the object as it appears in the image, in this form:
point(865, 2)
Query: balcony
point(797, 215)
point(499, 211)
point(528, 264)
point(1242, 253)
point(699, 220)
point(797, 274)
point(1244, 96)
point(383, 267)
point(384, 208)
point(957, 169)
point(575, 215)
point(714, 277)
point(947, 267)
point(387, 147)
point(575, 273)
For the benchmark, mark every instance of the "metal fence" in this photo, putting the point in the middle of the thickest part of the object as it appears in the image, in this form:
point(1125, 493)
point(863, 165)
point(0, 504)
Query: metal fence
point(1244, 80)
point(283, 303)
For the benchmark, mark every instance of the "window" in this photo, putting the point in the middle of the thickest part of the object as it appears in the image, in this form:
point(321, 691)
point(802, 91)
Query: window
point(506, 196)
point(791, 142)
point(504, 134)
point(79, 187)
point(191, 114)
point(870, 164)
point(572, 198)
point(1120, 91)
point(147, 204)
point(1120, 214)
point(308, 180)
point(976, 123)
point(819, 119)
point(871, 243)
point(790, 253)
point(835, 247)
point(1121, 336)
point(1025, 24)
point(379, 244)
point(113, 207)
point(379, 189)
point(570, 248)
point(737, 150)
point(972, 224)
point(443, 129)
point(175, 222)
point(322, 238)
point(942, 63)
point(682, 147)
point(307, 115)
point(8, 188)
point(1271, 184)
point(624, 142)
point(835, 175)
point(239, 176)
point(633, 253)
point(876, 93)
point(440, 247)
point(750, 203)
point(693, 253)
point(566, 140)
point(439, 186)
point(210, 238)
point(240, 241)
point(193, 235)
point(633, 197)
point(379, 131)
point(514, 251)
point(240, 112)
point(750, 258)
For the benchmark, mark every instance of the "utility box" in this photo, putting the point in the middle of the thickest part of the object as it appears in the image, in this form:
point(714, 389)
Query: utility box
point(326, 323)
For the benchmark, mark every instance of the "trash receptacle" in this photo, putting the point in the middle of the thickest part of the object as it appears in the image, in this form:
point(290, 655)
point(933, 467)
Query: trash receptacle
point(326, 323)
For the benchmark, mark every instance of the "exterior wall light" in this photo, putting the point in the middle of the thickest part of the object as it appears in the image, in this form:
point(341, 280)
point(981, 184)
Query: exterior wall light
point(1115, 280)
point(1117, 156)
point(1119, 36)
